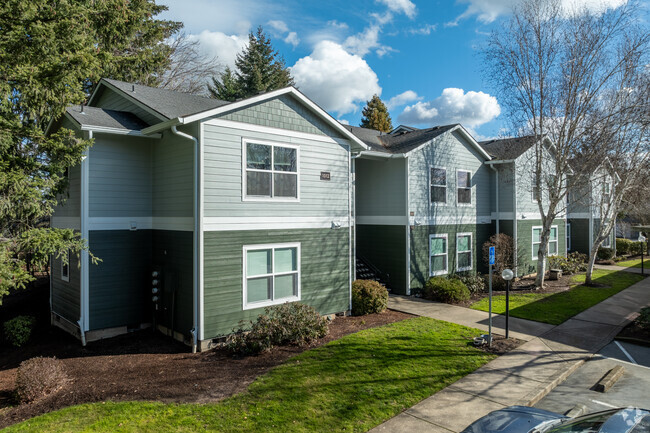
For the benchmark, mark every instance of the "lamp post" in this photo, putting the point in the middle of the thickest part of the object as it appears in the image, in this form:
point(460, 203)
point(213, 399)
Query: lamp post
point(507, 275)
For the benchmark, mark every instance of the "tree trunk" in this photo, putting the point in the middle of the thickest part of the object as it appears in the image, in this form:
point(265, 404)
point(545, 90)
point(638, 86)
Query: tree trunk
point(590, 264)
point(541, 257)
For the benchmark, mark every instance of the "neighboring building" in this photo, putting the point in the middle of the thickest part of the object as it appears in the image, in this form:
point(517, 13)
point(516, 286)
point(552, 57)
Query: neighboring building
point(587, 199)
point(514, 204)
point(422, 203)
point(236, 206)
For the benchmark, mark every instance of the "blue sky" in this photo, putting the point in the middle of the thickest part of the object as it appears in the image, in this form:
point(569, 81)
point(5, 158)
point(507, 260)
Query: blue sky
point(421, 57)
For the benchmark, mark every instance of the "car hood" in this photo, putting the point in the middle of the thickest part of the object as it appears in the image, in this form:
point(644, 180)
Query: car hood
point(515, 419)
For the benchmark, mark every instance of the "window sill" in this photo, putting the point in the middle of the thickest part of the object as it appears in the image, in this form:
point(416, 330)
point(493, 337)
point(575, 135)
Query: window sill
point(263, 304)
point(271, 199)
point(437, 273)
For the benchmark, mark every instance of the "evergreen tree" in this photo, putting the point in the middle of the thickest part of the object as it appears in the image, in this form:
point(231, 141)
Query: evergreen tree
point(259, 68)
point(375, 116)
point(51, 55)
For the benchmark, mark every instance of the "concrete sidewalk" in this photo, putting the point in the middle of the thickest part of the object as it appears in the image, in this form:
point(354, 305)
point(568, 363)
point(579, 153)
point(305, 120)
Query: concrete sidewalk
point(524, 375)
point(625, 268)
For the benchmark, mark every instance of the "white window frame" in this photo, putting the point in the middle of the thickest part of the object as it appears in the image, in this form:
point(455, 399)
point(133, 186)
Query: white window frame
point(273, 247)
point(471, 198)
point(65, 276)
point(532, 244)
point(533, 182)
point(446, 254)
point(608, 240)
point(245, 197)
point(446, 185)
point(471, 252)
point(568, 236)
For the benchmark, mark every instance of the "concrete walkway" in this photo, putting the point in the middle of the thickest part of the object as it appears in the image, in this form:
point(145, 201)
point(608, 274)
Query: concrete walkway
point(522, 376)
point(626, 269)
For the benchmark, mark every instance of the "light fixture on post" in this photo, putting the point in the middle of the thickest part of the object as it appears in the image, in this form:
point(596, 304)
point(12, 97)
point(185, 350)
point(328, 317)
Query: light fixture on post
point(507, 275)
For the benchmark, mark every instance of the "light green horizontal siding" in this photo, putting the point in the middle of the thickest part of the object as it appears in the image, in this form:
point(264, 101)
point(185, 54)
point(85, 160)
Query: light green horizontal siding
point(66, 294)
point(318, 198)
point(380, 187)
point(173, 175)
point(324, 273)
point(282, 112)
point(385, 248)
point(419, 236)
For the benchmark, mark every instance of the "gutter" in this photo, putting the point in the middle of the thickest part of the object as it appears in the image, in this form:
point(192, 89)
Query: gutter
point(197, 238)
point(84, 283)
point(376, 154)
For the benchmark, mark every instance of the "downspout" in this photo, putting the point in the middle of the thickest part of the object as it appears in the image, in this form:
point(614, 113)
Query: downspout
point(496, 188)
point(84, 270)
point(514, 218)
point(408, 231)
point(197, 234)
point(352, 252)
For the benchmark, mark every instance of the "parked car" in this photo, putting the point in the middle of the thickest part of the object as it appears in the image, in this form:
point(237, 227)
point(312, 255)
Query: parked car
point(521, 419)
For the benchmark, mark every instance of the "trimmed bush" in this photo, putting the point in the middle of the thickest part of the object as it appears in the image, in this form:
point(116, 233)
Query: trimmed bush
point(368, 297)
point(19, 329)
point(449, 290)
point(623, 246)
point(605, 254)
point(637, 247)
point(38, 377)
point(290, 323)
point(644, 318)
point(573, 263)
point(474, 283)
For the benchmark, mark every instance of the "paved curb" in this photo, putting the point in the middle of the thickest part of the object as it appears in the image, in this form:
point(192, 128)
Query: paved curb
point(534, 397)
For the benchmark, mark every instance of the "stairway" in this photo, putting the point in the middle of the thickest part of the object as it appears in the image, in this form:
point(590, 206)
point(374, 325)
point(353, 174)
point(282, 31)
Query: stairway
point(365, 271)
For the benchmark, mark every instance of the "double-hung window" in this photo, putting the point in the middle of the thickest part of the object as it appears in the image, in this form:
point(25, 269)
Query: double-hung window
point(438, 180)
point(271, 171)
point(438, 254)
point(607, 242)
point(65, 268)
point(463, 251)
point(534, 187)
point(464, 187)
point(607, 191)
point(552, 249)
point(271, 274)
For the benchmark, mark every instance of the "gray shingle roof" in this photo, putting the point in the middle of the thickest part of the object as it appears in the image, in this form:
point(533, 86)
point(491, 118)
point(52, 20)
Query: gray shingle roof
point(399, 143)
point(508, 148)
point(168, 103)
point(93, 116)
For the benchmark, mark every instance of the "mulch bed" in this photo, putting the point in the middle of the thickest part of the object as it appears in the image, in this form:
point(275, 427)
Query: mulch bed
point(635, 334)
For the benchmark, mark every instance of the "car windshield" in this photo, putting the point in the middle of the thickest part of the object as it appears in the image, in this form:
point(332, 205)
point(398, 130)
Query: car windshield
point(586, 424)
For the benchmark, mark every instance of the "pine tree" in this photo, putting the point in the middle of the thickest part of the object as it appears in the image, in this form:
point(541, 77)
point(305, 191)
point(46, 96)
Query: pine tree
point(259, 68)
point(375, 116)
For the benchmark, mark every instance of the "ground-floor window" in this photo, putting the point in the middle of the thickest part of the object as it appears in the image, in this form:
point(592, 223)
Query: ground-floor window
point(568, 236)
point(271, 274)
point(65, 268)
point(606, 242)
point(552, 249)
point(463, 251)
point(438, 254)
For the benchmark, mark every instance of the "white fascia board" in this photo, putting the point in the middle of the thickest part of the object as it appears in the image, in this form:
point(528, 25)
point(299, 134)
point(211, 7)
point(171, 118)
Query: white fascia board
point(117, 131)
point(373, 154)
point(499, 161)
point(254, 100)
point(148, 109)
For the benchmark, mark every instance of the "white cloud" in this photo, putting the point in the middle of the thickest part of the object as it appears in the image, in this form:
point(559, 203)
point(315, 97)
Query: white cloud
point(334, 78)
point(403, 98)
point(278, 25)
point(366, 41)
point(400, 6)
point(424, 30)
point(292, 38)
point(337, 24)
point(471, 109)
point(229, 16)
point(487, 11)
point(343, 121)
point(221, 45)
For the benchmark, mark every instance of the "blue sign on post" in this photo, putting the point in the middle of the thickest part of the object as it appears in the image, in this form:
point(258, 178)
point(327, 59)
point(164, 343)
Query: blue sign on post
point(492, 255)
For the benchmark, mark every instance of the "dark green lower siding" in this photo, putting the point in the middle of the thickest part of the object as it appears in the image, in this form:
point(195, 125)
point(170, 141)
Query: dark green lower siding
point(324, 282)
point(120, 285)
point(172, 254)
point(525, 244)
point(420, 248)
point(385, 248)
point(66, 294)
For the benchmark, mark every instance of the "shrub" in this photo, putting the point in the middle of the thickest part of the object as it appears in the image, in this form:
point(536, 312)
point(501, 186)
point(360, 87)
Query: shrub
point(637, 247)
point(38, 377)
point(290, 323)
point(644, 318)
point(623, 246)
point(573, 263)
point(19, 329)
point(504, 249)
point(605, 253)
point(474, 283)
point(449, 290)
point(368, 297)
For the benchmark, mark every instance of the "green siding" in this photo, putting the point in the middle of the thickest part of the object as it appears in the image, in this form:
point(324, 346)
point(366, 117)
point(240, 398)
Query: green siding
point(282, 112)
point(173, 175)
point(580, 235)
point(66, 294)
point(119, 285)
point(380, 187)
point(385, 248)
point(325, 268)
point(172, 254)
point(420, 248)
point(525, 240)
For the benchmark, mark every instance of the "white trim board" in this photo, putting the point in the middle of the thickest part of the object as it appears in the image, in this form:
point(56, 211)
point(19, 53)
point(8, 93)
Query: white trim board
point(383, 220)
point(449, 220)
point(216, 224)
point(61, 222)
point(141, 223)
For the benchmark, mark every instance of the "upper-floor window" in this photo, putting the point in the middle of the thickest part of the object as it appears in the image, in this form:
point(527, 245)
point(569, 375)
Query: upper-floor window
point(438, 178)
point(464, 186)
point(607, 190)
point(65, 268)
point(534, 187)
point(271, 171)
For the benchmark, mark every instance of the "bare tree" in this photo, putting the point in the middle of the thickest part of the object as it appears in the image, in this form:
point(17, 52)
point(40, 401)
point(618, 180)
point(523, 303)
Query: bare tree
point(189, 69)
point(553, 68)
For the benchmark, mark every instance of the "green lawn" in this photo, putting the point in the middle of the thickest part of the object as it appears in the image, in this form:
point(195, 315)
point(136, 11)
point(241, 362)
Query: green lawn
point(351, 384)
point(555, 308)
point(636, 263)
